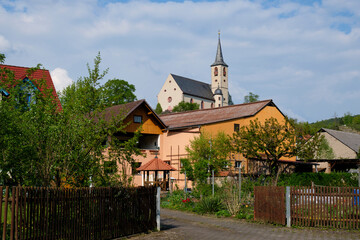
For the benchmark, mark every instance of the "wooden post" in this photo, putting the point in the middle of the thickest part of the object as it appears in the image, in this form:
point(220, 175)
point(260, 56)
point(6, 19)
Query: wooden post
point(158, 208)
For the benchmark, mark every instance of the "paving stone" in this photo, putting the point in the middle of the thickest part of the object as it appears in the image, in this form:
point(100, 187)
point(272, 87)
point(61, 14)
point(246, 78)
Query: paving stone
point(187, 226)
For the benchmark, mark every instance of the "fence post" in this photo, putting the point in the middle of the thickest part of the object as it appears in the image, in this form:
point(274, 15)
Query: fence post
point(158, 208)
point(240, 182)
point(213, 183)
point(288, 216)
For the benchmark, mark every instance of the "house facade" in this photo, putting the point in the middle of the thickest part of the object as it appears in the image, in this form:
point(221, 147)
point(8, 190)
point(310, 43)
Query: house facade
point(31, 81)
point(185, 126)
point(208, 95)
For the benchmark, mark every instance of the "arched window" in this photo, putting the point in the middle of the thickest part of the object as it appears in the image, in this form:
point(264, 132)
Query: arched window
point(215, 71)
point(202, 105)
point(224, 71)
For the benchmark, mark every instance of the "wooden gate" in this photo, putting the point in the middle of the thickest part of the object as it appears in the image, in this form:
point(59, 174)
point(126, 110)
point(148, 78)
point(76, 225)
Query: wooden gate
point(270, 204)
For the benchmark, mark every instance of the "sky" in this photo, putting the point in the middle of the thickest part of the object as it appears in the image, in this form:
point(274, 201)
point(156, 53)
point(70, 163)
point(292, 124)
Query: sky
point(303, 54)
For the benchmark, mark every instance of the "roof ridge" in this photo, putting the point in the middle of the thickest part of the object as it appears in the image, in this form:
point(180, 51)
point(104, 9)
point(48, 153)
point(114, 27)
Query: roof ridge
point(190, 79)
point(23, 67)
point(209, 109)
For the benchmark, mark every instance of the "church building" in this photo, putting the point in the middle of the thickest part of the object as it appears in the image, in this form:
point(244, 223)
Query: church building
point(177, 88)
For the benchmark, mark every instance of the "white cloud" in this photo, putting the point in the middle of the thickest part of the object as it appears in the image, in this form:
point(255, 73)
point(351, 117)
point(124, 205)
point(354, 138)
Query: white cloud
point(291, 53)
point(4, 43)
point(60, 78)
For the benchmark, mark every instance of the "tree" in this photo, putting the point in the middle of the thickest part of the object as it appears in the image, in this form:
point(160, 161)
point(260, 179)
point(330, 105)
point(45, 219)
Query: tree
point(272, 140)
point(42, 146)
point(206, 153)
point(251, 98)
point(158, 109)
point(185, 106)
point(115, 92)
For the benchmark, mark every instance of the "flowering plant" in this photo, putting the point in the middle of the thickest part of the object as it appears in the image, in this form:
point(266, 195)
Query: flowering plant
point(186, 200)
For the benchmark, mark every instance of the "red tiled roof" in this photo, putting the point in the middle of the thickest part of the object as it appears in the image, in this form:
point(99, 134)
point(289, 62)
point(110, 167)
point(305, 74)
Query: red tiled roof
point(21, 73)
point(213, 115)
point(156, 165)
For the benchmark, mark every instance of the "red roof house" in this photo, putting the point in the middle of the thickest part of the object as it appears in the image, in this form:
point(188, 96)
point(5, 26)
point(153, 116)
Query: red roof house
point(21, 73)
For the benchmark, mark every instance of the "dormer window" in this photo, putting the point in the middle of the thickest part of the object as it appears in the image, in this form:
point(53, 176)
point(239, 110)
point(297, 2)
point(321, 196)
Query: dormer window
point(137, 119)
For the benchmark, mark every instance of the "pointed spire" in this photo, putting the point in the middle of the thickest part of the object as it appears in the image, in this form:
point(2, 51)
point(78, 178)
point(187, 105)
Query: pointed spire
point(219, 57)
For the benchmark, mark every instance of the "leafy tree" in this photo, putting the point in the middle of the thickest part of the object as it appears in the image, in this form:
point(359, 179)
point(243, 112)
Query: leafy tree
point(230, 100)
point(158, 109)
point(185, 106)
point(206, 153)
point(272, 140)
point(251, 97)
point(42, 146)
point(2, 58)
point(115, 92)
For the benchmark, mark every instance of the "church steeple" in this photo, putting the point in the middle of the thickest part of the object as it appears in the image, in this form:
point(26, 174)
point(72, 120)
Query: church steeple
point(219, 78)
point(219, 60)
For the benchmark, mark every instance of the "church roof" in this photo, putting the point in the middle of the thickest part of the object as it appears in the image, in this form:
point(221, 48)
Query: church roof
point(193, 87)
point(213, 115)
point(219, 60)
point(352, 140)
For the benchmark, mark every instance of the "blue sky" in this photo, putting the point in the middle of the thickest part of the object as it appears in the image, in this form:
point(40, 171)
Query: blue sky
point(305, 55)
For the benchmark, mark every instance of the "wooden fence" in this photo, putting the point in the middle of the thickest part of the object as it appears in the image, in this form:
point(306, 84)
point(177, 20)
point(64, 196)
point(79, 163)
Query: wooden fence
point(84, 213)
point(269, 204)
point(336, 207)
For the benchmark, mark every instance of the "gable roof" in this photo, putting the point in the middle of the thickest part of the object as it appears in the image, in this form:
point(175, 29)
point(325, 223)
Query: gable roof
point(156, 164)
point(352, 140)
point(213, 115)
point(193, 87)
point(21, 73)
point(127, 108)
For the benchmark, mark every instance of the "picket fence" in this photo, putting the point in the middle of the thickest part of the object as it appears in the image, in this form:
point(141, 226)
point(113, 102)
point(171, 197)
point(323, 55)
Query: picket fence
point(80, 213)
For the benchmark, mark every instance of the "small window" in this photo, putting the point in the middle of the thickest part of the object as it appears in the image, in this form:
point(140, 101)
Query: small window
point(174, 89)
point(169, 81)
point(215, 71)
point(219, 98)
point(236, 127)
point(202, 104)
point(224, 72)
point(215, 80)
point(191, 100)
point(224, 80)
point(212, 105)
point(137, 119)
point(237, 164)
point(164, 90)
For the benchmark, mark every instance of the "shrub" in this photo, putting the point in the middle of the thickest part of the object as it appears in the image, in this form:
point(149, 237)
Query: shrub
point(209, 205)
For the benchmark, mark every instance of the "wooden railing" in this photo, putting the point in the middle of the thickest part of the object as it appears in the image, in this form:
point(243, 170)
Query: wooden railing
point(83, 213)
point(162, 184)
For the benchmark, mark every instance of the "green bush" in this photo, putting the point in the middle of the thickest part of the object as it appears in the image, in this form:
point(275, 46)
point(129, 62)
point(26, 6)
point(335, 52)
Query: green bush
point(335, 179)
point(209, 205)
point(223, 213)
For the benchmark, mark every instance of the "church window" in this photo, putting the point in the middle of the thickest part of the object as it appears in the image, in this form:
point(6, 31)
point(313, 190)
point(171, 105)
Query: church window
point(169, 81)
point(164, 90)
point(191, 100)
point(224, 71)
point(219, 105)
point(215, 80)
point(202, 104)
point(219, 98)
point(169, 99)
point(215, 71)
point(224, 80)
point(174, 89)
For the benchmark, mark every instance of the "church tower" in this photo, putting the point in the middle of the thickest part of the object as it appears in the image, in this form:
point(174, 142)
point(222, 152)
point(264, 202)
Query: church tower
point(219, 78)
